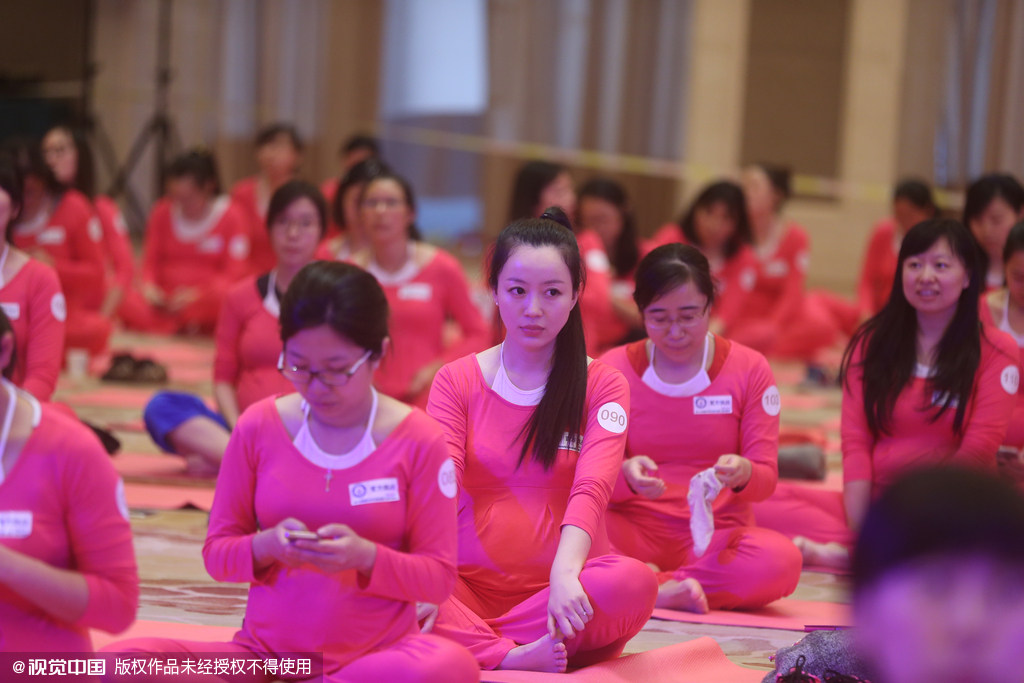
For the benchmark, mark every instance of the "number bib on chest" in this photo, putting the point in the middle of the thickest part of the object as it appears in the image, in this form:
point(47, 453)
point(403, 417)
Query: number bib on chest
point(712, 405)
point(374, 491)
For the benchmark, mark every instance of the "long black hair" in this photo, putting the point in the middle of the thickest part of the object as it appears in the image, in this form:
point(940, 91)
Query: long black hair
point(360, 174)
point(890, 337)
point(340, 295)
point(671, 266)
point(10, 182)
point(983, 192)
point(288, 193)
point(561, 408)
point(7, 328)
point(731, 195)
point(1014, 242)
point(85, 169)
point(626, 252)
point(530, 182)
point(410, 196)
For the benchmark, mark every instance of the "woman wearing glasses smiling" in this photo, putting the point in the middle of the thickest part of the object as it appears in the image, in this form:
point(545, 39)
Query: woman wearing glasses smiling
point(246, 363)
point(336, 504)
point(425, 287)
point(698, 402)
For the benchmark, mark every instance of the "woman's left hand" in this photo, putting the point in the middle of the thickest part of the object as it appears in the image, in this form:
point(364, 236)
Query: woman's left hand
point(569, 608)
point(339, 549)
point(733, 471)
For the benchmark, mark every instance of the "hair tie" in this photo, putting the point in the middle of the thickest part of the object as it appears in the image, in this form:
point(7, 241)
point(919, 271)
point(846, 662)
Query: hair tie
point(556, 214)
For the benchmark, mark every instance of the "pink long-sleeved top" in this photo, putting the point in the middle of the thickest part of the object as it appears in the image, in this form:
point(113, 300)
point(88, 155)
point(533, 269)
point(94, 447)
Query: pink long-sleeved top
point(419, 307)
point(913, 440)
point(63, 503)
point(35, 305)
point(777, 294)
point(248, 346)
point(511, 515)
point(737, 414)
point(1015, 432)
point(264, 479)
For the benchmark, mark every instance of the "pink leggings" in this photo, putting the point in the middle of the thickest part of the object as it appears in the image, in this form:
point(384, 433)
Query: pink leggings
point(622, 592)
point(417, 658)
point(742, 568)
point(798, 510)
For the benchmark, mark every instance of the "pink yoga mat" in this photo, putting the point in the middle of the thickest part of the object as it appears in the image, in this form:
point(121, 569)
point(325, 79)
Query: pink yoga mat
point(112, 397)
point(135, 426)
point(785, 614)
point(166, 629)
point(157, 497)
point(695, 661)
point(141, 465)
point(190, 374)
point(173, 353)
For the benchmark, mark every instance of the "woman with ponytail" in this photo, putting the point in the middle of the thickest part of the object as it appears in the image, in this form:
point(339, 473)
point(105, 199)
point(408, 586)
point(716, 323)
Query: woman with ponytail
point(537, 431)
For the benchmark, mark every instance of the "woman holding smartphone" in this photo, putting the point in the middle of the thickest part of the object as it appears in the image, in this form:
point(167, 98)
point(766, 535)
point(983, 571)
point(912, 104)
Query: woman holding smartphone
point(335, 503)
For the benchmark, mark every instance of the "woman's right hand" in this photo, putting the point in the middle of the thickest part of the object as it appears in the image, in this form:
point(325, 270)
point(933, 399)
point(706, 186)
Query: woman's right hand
point(272, 545)
point(639, 472)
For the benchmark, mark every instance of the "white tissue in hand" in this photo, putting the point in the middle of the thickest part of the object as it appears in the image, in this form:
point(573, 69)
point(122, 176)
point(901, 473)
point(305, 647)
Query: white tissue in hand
point(704, 488)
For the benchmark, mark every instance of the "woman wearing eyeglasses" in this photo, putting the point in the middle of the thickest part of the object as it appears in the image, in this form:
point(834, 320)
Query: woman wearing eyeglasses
point(686, 382)
point(245, 367)
point(335, 503)
point(425, 287)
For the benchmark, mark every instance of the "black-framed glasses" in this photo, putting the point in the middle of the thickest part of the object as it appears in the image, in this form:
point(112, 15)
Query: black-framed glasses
point(330, 378)
point(663, 321)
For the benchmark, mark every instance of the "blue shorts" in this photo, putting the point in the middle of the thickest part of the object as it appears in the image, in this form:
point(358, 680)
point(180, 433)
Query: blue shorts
point(168, 410)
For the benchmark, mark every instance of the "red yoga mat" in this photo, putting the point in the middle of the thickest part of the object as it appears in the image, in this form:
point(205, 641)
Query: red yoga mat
point(785, 614)
point(166, 629)
point(695, 661)
point(172, 353)
point(157, 497)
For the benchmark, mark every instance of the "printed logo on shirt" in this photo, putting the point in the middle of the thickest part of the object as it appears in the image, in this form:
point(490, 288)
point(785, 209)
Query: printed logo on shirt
point(13, 311)
point(415, 291)
point(214, 244)
point(446, 479)
point(374, 491)
point(1010, 379)
point(597, 261)
point(570, 442)
point(238, 248)
point(712, 405)
point(59, 307)
point(748, 278)
point(95, 230)
point(776, 268)
point(940, 398)
point(771, 401)
point(612, 417)
point(52, 235)
point(16, 524)
point(121, 499)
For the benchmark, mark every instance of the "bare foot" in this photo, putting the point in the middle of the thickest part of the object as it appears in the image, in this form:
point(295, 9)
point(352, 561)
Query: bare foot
point(547, 655)
point(831, 555)
point(686, 595)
